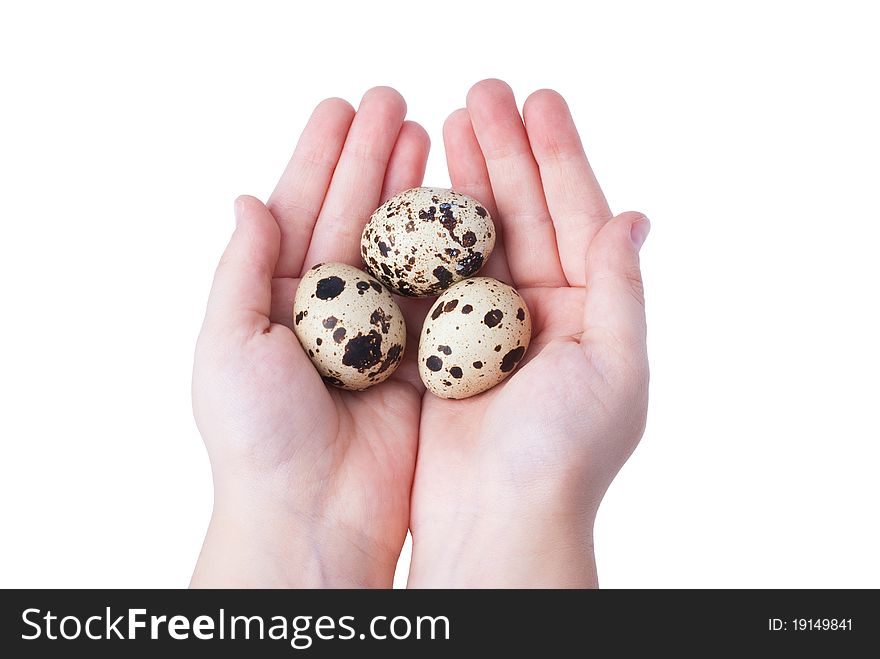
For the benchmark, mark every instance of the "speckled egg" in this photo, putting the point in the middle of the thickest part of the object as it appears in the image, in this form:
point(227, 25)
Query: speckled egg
point(422, 241)
point(350, 326)
point(473, 338)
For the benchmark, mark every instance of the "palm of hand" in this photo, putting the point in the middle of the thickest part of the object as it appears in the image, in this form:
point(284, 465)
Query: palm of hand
point(548, 423)
point(339, 459)
point(329, 446)
point(549, 440)
point(531, 396)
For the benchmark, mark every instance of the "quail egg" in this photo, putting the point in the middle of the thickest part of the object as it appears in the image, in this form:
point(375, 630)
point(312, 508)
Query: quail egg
point(349, 325)
point(422, 241)
point(473, 337)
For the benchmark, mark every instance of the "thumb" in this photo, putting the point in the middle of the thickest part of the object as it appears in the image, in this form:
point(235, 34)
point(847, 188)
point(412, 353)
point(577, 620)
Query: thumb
point(242, 291)
point(615, 304)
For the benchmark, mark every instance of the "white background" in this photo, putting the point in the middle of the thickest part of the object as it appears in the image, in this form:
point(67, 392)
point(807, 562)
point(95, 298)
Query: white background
point(749, 135)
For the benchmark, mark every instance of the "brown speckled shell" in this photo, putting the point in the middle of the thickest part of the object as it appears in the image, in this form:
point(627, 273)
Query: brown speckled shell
point(473, 338)
point(422, 241)
point(349, 325)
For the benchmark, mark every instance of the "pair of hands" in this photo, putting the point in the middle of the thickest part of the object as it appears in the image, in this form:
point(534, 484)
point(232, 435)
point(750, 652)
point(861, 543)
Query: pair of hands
point(315, 486)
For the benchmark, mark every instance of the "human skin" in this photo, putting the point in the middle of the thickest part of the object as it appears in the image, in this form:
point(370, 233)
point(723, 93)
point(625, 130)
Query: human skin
point(313, 485)
point(508, 483)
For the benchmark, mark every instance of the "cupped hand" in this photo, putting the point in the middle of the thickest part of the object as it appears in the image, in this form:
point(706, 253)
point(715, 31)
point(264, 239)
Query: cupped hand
point(508, 482)
point(312, 483)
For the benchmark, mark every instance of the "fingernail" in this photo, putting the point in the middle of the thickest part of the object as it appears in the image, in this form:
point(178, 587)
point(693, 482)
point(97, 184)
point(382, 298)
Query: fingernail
point(639, 231)
point(237, 209)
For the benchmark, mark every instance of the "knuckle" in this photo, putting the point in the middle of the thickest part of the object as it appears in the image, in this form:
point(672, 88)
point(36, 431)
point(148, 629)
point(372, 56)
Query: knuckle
point(503, 150)
point(364, 152)
point(636, 285)
point(293, 209)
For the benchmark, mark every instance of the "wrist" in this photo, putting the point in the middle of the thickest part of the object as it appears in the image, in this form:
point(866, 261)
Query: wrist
point(506, 553)
point(257, 539)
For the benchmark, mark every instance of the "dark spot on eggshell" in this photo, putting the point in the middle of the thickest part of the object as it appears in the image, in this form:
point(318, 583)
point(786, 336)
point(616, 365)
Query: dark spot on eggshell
point(388, 271)
point(447, 383)
point(511, 359)
point(330, 322)
point(492, 318)
point(300, 316)
point(469, 264)
point(443, 276)
point(410, 226)
point(363, 286)
point(456, 372)
point(437, 311)
point(380, 318)
point(469, 239)
point(336, 382)
point(446, 350)
point(480, 211)
point(452, 251)
point(339, 334)
point(329, 287)
point(449, 306)
point(363, 351)
point(467, 309)
point(478, 364)
point(316, 266)
point(394, 354)
point(520, 314)
point(319, 340)
point(449, 223)
point(311, 353)
point(383, 248)
point(497, 348)
point(376, 286)
point(434, 363)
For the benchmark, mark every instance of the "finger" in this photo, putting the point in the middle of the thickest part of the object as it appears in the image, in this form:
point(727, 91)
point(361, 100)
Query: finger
point(574, 198)
point(468, 175)
point(283, 292)
point(357, 182)
point(614, 309)
point(242, 292)
point(406, 166)
point(528, 230)
point(296, 200)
